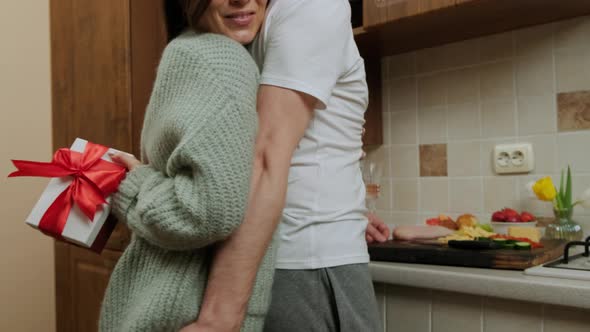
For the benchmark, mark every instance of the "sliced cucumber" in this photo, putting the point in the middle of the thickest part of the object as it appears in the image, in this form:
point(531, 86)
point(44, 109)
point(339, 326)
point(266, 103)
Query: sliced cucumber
point(483, 239)
point(500, 241)
point(522, 246)
point(508, 246)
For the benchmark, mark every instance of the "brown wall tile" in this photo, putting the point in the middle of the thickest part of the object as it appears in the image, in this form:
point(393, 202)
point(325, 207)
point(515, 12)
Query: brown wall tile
point(433, 160)
point(573, 110)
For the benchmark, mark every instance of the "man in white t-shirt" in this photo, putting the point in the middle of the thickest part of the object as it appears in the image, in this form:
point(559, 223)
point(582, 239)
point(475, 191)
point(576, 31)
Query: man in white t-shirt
point(311, 106)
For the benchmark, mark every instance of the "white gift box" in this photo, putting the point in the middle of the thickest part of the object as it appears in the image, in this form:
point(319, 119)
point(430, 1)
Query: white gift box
point(78, 229)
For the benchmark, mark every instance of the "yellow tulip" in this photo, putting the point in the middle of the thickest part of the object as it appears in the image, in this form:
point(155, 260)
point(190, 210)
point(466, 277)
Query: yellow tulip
point(545, 189)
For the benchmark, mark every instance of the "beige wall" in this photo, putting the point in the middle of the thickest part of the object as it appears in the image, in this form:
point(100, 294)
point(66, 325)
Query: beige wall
point(26, 257)
point(446, 107)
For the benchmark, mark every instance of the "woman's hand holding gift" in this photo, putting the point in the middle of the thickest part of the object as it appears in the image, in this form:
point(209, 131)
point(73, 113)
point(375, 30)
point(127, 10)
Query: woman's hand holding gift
point(126, 160)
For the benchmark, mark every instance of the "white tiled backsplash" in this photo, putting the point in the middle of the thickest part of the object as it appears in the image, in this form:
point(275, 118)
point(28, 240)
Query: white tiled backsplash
point(471, 96)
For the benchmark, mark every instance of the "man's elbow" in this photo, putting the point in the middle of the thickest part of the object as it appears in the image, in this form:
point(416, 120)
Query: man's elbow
point(273, 162)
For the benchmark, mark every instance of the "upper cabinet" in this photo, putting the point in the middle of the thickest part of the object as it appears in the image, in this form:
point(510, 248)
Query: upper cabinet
point(397, 26)
point(382, 11)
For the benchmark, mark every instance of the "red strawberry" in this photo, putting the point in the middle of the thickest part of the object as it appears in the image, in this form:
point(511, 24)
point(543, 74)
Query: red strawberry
point(510, 213)
point(515, 218)
point(527, 217)
point(498, 216)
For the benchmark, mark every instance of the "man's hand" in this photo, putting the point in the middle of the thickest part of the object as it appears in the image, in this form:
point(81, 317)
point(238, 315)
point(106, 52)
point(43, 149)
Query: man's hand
point(377, 231)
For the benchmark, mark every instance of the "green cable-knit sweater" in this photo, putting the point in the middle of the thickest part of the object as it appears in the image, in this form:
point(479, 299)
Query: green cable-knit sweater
point(197, 143)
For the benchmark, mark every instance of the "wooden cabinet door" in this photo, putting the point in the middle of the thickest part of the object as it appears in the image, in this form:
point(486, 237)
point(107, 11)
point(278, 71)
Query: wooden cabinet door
point(104, 56)
point(82, 277)
point(91, 64)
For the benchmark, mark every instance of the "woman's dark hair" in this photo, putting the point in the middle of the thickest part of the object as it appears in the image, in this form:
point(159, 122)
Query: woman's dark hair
point(182, 14)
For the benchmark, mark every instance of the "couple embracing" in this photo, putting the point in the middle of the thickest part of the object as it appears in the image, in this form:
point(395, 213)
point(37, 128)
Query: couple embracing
point(247, 207)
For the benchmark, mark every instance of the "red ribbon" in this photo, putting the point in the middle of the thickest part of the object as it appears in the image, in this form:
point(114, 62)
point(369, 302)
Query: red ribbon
point(94, 180)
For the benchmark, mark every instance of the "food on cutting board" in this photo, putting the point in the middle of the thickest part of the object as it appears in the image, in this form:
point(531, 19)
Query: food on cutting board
point(467, 220)
point(511, 215)
point(442, 220)
point(468, 228)
point(418, 232)
point(486, 227)
point(467, 233)
point(513, 244)
point(513, 240)
point(533, 234)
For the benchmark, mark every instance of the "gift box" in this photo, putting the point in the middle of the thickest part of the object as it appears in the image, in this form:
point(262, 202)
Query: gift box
point(75, 204)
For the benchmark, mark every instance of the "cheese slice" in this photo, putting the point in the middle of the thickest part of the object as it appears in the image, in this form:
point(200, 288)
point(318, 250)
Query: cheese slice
point(531, 233)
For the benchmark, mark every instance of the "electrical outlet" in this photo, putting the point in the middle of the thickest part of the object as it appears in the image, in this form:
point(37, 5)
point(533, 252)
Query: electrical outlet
point(513, 158)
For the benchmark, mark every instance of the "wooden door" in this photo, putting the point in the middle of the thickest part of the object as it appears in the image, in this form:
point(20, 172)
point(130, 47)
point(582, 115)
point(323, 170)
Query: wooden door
point(82, 277)
point(104, 58)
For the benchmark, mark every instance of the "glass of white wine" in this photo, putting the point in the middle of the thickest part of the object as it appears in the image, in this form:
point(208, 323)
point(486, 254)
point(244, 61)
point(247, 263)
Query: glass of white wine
point(372, 178)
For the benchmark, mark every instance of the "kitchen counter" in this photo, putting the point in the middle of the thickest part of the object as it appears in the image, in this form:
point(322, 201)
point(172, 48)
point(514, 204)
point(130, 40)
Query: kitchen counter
point(505, 284)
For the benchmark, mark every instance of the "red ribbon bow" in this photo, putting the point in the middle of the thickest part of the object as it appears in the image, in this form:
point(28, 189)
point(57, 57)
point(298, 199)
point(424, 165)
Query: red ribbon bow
point(94, 180)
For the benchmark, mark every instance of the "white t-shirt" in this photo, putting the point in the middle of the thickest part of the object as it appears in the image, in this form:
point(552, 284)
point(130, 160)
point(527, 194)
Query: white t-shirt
point(308, 46)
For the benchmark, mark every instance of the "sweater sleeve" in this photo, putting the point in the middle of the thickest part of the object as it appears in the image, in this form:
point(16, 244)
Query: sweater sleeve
point(200, 197)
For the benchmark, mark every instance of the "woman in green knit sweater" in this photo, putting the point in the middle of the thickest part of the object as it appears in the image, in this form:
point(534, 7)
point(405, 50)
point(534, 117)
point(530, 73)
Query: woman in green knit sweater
point(191, 188)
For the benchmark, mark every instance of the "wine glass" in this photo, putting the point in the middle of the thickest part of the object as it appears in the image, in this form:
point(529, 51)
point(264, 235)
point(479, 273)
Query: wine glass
point(371, 171)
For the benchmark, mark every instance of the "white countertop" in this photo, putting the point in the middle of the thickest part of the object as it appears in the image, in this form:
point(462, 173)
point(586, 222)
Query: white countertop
point(486, 282)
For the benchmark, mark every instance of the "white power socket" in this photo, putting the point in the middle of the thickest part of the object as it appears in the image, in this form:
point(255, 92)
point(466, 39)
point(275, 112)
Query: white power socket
point(513, 158)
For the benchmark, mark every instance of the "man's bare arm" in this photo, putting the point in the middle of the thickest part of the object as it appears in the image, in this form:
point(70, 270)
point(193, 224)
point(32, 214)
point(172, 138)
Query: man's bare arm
point(283, 117)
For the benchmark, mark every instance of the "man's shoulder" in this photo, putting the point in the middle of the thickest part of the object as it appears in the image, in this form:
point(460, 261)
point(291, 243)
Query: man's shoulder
point(281, 5)
point(308, 11)
point(280, 8)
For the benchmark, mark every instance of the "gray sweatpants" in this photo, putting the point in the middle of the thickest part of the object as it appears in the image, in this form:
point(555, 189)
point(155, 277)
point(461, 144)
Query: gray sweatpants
point(332, 299)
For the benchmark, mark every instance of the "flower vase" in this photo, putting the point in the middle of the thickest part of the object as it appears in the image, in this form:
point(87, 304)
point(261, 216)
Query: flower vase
point(563, 227)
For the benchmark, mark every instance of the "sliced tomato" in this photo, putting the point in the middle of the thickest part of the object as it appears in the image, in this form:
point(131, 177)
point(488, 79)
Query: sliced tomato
point(433, 222)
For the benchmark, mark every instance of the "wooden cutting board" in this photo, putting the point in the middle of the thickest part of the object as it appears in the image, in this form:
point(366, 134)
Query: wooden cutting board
point(420, 253)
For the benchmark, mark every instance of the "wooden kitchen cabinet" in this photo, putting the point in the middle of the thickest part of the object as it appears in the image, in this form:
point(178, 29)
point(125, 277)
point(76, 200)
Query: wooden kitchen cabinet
point(398, 26)
point(376, 12)
point(428, 5)
point(104, 56)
